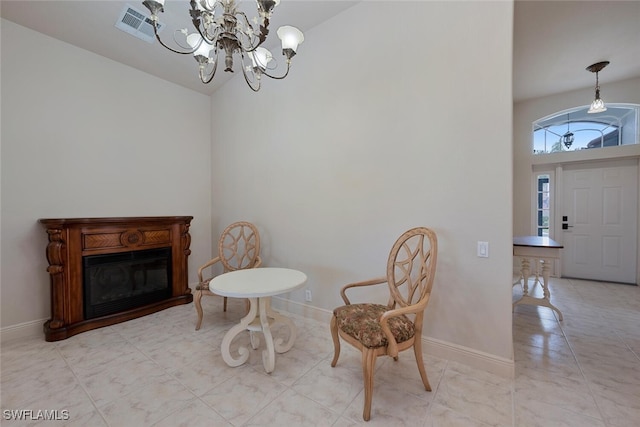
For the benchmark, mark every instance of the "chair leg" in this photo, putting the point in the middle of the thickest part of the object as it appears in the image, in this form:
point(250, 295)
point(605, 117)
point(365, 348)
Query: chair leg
point(197, 301)
point(417, 350)
point(336, 341)
point(368, 363)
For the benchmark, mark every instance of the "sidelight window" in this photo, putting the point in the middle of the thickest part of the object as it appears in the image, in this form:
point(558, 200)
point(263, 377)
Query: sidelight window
point(543, 205)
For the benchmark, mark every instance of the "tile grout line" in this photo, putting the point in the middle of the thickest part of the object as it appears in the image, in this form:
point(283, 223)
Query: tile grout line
point(84, 389)
point(584, 376)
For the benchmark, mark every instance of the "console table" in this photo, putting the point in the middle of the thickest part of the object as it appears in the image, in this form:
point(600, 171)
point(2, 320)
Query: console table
point(71, 239)
point(544, 249)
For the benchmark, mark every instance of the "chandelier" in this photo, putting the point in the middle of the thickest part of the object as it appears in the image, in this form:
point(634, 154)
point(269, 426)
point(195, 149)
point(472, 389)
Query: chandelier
point(597, 106)
point(223, 30)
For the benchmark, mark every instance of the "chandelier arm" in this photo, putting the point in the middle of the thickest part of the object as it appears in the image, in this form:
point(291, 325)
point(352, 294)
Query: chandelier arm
point(246, 79)
point(264, 31)
point(155, 30)
point(195, 15)
point(172, 49)
point(177, 42)
point(264, 73)
point(244, 15)
point(210, 40)
point(212, 8)
point(213, 72)
point(197, 22)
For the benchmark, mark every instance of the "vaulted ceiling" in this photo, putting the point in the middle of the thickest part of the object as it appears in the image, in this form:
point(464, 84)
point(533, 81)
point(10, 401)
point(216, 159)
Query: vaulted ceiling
point(554, 41)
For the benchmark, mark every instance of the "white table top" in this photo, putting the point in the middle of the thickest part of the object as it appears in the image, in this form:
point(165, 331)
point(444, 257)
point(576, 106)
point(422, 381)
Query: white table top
point(257, 282)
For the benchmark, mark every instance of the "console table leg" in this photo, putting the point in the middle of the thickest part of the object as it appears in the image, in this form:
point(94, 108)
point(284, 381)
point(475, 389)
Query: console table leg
point(546, 301)
point(526, 269)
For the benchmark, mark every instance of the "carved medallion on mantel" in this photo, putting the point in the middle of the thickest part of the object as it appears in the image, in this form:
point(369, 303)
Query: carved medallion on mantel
point(73, 240)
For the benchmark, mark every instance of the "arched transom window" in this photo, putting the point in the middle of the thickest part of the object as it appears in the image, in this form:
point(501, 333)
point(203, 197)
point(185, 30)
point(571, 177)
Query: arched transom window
point(575, 129)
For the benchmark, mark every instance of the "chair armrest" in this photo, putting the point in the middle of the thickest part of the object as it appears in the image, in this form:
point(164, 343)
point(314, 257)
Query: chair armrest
point(208, 264)
point(370, 282)
point(258, 262)
point(392, 348)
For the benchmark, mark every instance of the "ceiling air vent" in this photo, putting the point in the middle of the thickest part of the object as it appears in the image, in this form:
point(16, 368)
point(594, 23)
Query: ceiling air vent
point(137, 24)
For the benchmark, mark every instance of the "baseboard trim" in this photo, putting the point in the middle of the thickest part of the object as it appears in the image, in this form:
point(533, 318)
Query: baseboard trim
point(301, 309)
point(32, 328)
point(443, 349)
point(470, 357)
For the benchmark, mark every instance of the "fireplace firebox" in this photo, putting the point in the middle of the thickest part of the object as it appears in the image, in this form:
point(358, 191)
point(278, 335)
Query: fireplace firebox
point(108, 270)
point(118, 282)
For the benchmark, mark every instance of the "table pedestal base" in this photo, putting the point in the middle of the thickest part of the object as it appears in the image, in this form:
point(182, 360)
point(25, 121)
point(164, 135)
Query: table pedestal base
point(259, 319)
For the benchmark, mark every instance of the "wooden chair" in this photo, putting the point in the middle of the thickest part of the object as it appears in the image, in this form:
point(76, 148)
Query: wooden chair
point(385, 330)
point(238, 248)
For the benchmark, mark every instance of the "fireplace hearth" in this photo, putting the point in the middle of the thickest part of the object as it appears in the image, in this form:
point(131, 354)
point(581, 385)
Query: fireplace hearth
point(108, 270)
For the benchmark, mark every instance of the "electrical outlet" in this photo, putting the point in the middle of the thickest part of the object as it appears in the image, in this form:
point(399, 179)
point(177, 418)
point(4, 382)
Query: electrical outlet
point(483, 249)
point(307, 295)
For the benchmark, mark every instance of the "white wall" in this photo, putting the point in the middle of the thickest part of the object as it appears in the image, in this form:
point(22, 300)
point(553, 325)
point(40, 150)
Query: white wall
point(383, 125)
point(83, 136)
point(526, 112)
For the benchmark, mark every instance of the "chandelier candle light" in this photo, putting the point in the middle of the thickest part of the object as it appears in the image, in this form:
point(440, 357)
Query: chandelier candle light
point(597, 106)
point(220, 26)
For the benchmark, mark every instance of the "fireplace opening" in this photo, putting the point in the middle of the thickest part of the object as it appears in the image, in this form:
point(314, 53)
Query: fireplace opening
point(116, 282)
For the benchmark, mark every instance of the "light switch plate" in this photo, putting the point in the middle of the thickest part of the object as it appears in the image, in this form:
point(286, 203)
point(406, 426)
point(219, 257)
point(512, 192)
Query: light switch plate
point(483, 249)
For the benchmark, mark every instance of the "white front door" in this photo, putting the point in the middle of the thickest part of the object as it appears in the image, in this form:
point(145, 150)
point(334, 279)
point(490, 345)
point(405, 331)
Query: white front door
point(600, 204)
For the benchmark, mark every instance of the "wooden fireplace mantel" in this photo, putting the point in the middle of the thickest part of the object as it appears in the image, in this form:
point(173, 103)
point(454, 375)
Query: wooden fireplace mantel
point(72, 238)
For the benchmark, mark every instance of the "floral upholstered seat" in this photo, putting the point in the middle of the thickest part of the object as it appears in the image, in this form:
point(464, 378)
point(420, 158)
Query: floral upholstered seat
point(385, 330)
point(362, 322)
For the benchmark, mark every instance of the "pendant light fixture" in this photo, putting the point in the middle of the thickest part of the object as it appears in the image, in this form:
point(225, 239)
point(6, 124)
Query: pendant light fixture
point(597, 106)
point(567, 138)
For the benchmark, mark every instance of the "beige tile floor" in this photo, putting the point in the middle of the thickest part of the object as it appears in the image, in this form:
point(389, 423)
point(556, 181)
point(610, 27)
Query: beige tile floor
point(158, 371)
